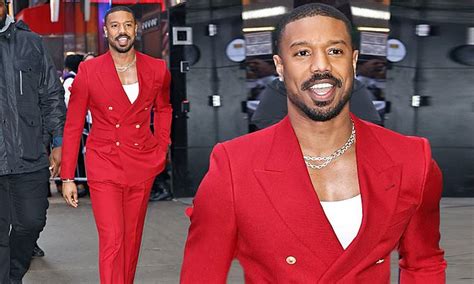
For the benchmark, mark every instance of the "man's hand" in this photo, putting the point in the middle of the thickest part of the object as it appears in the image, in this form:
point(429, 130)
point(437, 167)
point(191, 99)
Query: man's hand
point(70, 194)
point(55, 162)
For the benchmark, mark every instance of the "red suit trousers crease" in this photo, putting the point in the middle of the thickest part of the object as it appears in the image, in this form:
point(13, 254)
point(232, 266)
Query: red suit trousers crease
point(119, 212)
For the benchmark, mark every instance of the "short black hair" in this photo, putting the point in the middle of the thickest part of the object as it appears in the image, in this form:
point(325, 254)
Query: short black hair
point(310, 10)
point(72, 62)
point(117, 9)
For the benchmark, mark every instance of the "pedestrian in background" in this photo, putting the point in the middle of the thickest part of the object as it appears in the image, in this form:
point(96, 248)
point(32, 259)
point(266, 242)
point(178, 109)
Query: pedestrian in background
point(121, 88)
point(71, 66)
point(89, 56)
point(31, 98)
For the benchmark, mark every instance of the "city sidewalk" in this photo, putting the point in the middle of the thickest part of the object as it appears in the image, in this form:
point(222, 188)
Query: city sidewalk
point(70, 243)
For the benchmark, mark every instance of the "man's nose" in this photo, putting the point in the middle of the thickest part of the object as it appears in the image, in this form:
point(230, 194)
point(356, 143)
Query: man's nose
point(320, 63)
point(121, 28)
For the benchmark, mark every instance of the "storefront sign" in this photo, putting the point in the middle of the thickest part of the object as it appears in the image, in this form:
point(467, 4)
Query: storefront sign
point(373, 44)
point(258, 43)
point(150, 23)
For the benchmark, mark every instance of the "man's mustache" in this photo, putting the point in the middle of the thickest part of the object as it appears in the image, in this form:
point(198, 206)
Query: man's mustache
point(318, 77)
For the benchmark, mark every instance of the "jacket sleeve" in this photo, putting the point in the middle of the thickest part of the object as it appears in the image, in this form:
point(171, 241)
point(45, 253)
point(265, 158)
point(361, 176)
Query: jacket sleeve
point(163, 112)
point(421, 258)
point(76, 114)
point(51, 98)
point(212, 236)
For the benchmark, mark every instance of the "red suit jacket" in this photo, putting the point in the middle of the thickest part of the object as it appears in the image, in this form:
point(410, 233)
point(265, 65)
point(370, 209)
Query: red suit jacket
point(257, 204)
point(121, 147)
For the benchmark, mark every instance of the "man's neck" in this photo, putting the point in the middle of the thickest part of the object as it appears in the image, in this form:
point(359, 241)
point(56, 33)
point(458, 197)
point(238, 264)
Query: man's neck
point(122, 58)
point(321, 138)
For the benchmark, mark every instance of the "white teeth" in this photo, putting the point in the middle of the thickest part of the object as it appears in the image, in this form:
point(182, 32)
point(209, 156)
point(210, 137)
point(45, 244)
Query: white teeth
point(321, 89)
point(322, 86)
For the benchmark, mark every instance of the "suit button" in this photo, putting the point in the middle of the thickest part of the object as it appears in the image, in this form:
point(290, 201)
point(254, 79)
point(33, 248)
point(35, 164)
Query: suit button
point(117, 125)
point(135, 144)
point(111, 108)
point(380, 261)
point(117, 143)
point(291, 260)
point(137, 126)
point(146, 108)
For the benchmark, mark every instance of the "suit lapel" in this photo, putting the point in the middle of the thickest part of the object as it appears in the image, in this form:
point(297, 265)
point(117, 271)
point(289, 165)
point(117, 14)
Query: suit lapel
point(145, 80)
point(286, 183)
point(379, 181)
point(111, 82)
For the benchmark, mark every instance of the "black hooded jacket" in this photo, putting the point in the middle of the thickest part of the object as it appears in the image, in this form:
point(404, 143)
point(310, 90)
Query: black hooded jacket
point(31, 101)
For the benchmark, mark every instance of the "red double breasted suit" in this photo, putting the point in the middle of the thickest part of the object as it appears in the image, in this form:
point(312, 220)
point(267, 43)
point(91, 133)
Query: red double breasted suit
point(122, 154)
point(257, 204)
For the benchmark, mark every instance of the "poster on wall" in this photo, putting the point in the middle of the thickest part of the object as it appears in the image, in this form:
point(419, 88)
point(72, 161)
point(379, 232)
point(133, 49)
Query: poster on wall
point(258, 44)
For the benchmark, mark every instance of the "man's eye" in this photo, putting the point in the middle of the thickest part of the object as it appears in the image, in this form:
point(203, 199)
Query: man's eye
point(335, 51)
point(302, 53)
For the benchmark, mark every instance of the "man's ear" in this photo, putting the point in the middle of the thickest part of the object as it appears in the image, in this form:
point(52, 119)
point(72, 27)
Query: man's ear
point(355, 56)
point(279, 65)
point(105, 31)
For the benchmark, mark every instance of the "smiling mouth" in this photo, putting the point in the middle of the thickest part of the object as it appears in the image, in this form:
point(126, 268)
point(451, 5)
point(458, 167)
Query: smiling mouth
point(123, 40)
point(322, 89)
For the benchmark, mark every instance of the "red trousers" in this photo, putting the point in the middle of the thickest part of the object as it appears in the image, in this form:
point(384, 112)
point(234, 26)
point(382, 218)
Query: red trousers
point(119, 212)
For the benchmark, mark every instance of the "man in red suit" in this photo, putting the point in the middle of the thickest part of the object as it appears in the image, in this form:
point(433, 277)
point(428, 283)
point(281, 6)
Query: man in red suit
point(123, 156)
point(322, 196)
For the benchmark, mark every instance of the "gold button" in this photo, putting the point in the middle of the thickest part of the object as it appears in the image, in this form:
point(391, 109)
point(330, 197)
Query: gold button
point(111, 108)
point(291, 260)
point(117, 125)
point(137, 126)
point(117, 143)
point(380, 261)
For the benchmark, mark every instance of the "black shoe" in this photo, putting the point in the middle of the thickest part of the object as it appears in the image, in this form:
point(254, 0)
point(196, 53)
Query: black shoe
point(15, 281)
point(162, 195)
point(37, 252)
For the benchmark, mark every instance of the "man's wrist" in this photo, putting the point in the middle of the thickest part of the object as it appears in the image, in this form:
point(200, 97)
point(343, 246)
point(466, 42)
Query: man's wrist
point(67, 180)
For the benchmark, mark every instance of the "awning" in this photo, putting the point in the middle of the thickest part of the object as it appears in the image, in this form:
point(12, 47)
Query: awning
point(38, 18)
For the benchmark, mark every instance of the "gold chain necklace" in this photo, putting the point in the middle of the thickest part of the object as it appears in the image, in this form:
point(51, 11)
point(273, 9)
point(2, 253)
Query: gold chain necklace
point(122, 69)
point(328, 159)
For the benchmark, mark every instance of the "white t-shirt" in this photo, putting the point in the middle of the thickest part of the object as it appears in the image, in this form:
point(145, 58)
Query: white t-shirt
point(67, 84)
point(345, 217)
point(132, 91)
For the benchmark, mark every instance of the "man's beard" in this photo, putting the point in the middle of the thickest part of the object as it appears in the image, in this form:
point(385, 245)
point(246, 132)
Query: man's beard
point(315, 113)
point(114, 44)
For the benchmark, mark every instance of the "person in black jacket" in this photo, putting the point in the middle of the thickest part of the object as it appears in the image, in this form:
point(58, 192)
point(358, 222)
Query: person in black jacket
point(31, 97)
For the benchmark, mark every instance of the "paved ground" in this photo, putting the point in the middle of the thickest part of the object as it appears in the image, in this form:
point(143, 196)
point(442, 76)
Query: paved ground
point(70, 242)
